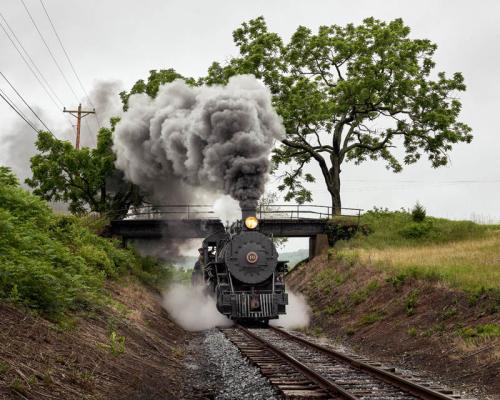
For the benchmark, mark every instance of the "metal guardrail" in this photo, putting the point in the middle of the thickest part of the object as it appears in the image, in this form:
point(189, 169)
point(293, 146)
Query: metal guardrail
point(268, 211)
point(300, 211)
point(172, 211)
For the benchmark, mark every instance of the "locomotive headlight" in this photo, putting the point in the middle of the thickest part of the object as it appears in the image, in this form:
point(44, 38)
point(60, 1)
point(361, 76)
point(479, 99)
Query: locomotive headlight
point(251, 222)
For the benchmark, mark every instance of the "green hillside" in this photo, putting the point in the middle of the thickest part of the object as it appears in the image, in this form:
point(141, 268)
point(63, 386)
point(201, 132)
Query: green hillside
point(57, 264)
point(461, 253)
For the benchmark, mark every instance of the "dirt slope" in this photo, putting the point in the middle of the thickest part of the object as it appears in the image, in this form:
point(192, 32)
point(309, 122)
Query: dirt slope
point(130, 351)
point(417, 323)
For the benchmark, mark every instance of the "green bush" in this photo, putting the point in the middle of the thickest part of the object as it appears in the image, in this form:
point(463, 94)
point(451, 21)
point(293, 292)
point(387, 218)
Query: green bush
point(416, 230)
point(418, 212)
point(55, 264)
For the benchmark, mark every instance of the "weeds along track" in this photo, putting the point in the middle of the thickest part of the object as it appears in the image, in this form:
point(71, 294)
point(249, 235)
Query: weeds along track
point(301, 369)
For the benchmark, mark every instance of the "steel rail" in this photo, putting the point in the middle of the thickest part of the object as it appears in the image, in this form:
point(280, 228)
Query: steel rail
point(322, 382)
point(401, 383)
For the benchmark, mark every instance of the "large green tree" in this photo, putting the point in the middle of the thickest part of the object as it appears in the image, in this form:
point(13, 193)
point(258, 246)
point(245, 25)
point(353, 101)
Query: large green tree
point(350, 93)
point(86, 179)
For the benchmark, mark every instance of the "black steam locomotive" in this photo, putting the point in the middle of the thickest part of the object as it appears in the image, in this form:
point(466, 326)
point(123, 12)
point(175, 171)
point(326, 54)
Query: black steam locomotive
point(240, 266)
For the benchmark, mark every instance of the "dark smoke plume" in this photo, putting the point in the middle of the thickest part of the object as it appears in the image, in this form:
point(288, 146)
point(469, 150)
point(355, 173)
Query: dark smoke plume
point(218, 138)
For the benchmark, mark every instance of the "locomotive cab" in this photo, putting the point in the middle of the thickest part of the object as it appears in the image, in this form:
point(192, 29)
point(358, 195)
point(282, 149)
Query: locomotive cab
point(243, 272)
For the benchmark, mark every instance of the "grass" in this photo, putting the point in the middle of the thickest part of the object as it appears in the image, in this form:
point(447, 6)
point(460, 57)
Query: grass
point(470, 264)
point(412, 332)
point(359, 296)
point(397, 229)
point(4, 367)
point(411, 302)
point(461, 253)
point(371, 318)
point(482, 331)
point(327, 279)
point(116, 344)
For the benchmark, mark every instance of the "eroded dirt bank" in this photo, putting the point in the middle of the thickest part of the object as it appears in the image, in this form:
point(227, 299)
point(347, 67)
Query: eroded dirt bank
point(416, 323)
point(132, 350)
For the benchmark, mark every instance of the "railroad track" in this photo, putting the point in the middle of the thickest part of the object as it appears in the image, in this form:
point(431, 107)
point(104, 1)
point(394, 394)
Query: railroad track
point(301, 369)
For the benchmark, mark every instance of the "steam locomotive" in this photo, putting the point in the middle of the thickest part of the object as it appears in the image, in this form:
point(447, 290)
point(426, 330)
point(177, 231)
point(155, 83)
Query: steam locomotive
point(240, 267)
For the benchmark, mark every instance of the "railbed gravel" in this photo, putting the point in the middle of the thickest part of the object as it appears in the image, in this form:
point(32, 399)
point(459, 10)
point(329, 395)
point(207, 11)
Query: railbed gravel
point(240, 379)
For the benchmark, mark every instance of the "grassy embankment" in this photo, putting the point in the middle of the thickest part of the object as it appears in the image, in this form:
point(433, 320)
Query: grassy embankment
point(56, 265)
point(76, 320)
point(425, 293)
point(462, 254)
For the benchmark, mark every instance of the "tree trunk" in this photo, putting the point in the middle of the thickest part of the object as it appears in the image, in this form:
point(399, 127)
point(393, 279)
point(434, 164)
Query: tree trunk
point(334, 188)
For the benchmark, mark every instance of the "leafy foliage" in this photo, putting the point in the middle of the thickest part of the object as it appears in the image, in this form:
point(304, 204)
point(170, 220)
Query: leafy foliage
point(418, 212)
point(85, 178)
point(350, 93)
point(155, 79)
point(52, 263)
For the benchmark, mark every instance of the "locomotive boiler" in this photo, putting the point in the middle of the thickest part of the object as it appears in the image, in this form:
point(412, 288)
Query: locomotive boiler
point(240, 267)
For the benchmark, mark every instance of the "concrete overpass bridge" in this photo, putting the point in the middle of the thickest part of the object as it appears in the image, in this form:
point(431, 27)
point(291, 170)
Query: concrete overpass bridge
point(198, 221)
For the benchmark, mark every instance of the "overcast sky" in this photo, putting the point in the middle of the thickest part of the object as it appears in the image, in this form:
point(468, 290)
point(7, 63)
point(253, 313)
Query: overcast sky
point(124, 39)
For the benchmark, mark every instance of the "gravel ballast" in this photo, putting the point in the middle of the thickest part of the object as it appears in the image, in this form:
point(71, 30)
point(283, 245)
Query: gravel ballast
point(239, 379)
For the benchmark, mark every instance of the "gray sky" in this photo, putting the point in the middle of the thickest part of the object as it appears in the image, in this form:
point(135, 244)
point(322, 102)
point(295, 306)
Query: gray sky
point(123, 40)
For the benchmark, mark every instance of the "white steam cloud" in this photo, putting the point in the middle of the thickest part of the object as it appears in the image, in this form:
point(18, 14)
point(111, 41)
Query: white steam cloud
point(227, 209)
point(218, 138)
point(193, 308)
point(298, 313)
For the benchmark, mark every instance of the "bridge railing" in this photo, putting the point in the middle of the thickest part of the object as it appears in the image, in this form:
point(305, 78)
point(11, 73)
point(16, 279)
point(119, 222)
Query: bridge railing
point(267, 211)
point(303, 211)
point(172, 211)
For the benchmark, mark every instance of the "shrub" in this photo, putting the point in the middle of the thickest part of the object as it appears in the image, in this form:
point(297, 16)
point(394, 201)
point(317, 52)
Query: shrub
point(54, 264)
point(418, 212)
point(416, 230)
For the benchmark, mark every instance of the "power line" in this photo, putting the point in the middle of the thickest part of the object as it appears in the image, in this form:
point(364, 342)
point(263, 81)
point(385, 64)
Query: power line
point(24, 101)
point(428, 181)
point(6, 98)
point(48, 49)
point(28, 64)
point(70, 63)
point(45, 84)
point(66, 53)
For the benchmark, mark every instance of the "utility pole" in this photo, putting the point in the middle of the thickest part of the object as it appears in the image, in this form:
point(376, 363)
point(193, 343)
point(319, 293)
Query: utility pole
point(79, 114)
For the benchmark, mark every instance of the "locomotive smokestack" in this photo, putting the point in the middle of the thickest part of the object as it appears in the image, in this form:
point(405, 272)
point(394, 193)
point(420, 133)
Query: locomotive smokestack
point(248, 212)
point(248, 209)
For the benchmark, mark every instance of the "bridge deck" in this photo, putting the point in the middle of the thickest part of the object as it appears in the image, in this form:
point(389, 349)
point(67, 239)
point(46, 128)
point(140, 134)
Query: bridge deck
point(200, 228)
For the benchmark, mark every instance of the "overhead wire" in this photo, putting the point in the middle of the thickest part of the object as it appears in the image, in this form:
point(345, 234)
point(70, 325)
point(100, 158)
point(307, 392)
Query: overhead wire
point(89, 130)
point(50, 51)
point(46, 88)
point(12, 105)
point(33, 67)
point(69, 59)
point(25, 102)
point(66, 54)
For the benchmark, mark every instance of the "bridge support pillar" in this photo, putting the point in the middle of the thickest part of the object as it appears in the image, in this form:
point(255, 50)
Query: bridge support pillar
point(318, 245)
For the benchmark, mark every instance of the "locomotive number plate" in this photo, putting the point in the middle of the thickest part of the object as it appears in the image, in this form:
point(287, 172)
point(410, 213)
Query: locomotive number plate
point(252, 257)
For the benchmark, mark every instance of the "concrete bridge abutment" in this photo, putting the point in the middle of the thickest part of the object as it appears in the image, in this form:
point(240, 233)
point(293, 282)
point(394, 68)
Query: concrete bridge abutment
point(318, 244)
